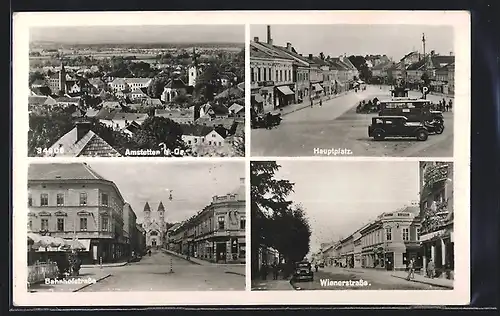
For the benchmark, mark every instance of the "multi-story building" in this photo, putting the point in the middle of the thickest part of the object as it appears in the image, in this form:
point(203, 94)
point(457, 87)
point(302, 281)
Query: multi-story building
point(347, 252)
point(217, 232)
point(72, 201)
point(155, 226)
point(391, 240)
point(451, 78)
point(140, 240)
point(436, 203)
point(358, 247)
point(129, 227)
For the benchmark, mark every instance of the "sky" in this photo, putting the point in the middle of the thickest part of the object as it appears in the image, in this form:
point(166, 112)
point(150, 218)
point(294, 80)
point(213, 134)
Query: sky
point(340, 197)
point(393, 40)
point(193, 184)
point(140, 34)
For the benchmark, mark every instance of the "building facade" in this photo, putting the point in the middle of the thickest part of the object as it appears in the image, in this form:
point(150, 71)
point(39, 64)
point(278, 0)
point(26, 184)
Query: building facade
point(216, 233)
point(436, 203)
point(129, 228)
point(155, 226)
point(72, 201)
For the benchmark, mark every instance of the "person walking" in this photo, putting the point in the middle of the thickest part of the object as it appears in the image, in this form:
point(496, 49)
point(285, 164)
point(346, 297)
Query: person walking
point(275, 271)
point(450, 105)
point(320, 102)
point(264, 271)
point(430, 269)
point(311, 102)
point(411, 270)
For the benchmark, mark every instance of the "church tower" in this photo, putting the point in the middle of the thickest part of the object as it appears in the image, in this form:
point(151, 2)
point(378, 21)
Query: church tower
point(193, 70)
point(147, 215)
point(161, 213)
point(62, 78)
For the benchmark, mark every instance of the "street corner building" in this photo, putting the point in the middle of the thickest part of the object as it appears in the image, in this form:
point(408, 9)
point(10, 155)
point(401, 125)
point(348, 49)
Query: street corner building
point(73, 202)
point(216, 233)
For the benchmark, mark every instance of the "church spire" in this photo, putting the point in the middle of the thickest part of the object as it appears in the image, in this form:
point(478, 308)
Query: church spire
point(161, 208)
point(146, 207)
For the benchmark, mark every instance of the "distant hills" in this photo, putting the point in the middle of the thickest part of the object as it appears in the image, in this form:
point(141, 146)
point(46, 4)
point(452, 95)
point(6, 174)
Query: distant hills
point(53, 44)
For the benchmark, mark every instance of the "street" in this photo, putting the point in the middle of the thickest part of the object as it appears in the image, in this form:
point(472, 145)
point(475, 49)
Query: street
point(153, 274)
point(376, 280)
point(337, 125)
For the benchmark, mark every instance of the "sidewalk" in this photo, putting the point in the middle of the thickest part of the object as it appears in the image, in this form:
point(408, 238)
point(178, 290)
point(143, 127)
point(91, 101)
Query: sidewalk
point(231, 268)
point(288, 109)
point(104, 265)
point(446, 283)
point(272, 285)
point(87, 278)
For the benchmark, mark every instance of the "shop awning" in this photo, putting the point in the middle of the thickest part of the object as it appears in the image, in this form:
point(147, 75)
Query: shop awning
point(258, 98)
point(434, 235)
point(317, 87)
point(86, 243)
point(285, 90)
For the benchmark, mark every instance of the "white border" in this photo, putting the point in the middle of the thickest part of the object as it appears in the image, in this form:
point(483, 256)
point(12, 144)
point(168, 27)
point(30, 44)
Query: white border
point(461, 293)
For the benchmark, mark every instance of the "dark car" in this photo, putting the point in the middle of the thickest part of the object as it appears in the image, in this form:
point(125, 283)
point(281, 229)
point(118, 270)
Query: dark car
point(303, 272)
point(396, 126)
point(321, 264)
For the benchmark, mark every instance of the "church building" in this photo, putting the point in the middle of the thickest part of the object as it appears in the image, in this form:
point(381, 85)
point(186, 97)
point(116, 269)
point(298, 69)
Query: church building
point(155, 226)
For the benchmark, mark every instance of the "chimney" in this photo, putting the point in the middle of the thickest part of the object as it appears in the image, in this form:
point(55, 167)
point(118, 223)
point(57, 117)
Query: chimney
point(269, 39)
point(289, 46)
point(310, 56)
point(256, 39)
point(82, 128)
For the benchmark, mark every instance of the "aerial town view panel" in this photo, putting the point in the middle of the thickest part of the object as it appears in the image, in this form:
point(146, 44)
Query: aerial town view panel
point(107, 226)
point(361, 90)
point(159, 91)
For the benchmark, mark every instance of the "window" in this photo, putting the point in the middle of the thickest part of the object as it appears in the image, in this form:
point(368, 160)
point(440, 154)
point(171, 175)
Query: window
point(270, 74)
point(221, 222)
point(406, 234)
point(30, 224)
point(83, 224)
point(210, 228)
point(220, 143)
point(210, 142)
point(242, 222)
point(189, 142)
point(30, 200)
point(258, 74)
point(281, 75)
point(83, 198)
point(418, 233)
point(265, 74)
point(105, 223)
point(388, 234)
point(252, 74)
point(104, 199)
point(196, 140)
point(44, 199)
point(289, 75)
point(213, 135)
point(60, 224)
point(276, 78)
point(60, 199)
point(45, 224)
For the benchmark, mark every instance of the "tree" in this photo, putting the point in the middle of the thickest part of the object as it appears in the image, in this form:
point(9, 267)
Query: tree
point(239, 144)
point(155, 89)
point(426, 79)
point(268, 196)
point(46, 129)
point(360, 63)
point(36, 75)
point(155, 130)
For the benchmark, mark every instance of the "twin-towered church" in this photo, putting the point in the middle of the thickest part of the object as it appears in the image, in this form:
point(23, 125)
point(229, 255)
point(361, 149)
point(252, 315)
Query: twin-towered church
point(155, 226)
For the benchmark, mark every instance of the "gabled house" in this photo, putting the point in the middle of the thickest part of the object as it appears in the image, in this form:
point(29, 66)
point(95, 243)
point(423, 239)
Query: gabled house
point(121, 120)
point(236, 110)
point(172, 89)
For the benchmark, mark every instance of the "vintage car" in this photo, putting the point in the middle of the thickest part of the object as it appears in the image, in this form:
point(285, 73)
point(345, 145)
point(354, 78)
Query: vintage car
point(396, 126)
point(268, 120)
point(303, 272)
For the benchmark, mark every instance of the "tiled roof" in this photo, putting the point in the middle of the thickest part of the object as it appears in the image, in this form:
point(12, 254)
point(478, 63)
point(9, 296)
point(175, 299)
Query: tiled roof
point(137, 91)
point(41, 90)
point(234, 92)
point(195, 130)
point(68, 99)
point(111, 104)
point(416, 66)
point(382, 66)
point(62, 171)
point(440, 61)
point(153, 101)
point(294, 54)
point(408, 55)
point(235, 108)
point(137, 80)
point(36, 100)
point(96, 81)
point(106, 113)
point(175, 113)
point(91, 112)
point(118, 81)
point(130, 116)
point(336, 63)
point(175, 84)
point(90, 144)
point(268, 50)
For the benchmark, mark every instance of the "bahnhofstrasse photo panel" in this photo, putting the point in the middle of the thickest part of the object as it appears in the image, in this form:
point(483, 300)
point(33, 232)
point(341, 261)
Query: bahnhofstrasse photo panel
point(342, 90)
point(136, 226)
point(158, 91)
point(320, 225)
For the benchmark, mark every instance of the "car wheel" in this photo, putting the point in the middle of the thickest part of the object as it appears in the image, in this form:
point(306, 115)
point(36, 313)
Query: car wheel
point(378, 135)
point(440, 129)
point(422, 135)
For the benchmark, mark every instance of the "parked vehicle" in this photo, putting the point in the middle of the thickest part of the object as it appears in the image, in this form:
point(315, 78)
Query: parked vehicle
point(396, 126)
point(268, 120)
point(321, 264)
point(303, 272)
point(415, 110)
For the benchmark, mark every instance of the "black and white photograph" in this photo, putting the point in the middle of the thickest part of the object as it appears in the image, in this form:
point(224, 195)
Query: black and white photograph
point(352, 225)
point(352, 90)
point(143, 91)
point(107, 226)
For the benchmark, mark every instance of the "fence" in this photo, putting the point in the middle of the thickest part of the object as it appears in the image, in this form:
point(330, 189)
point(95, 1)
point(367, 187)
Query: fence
point(39, 271)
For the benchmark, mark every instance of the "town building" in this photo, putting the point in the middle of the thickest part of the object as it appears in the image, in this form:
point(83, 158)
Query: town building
point(436, 207)
point(72, 201)
point(81, 141)
point(140, 240)
point(129, 228)
point(120, 120)
point(217, 232)
point(180, 116)
point(172, 89)
point(155, 226)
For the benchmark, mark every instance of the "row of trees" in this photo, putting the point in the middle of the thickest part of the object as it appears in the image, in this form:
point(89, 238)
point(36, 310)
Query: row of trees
point(276, 221)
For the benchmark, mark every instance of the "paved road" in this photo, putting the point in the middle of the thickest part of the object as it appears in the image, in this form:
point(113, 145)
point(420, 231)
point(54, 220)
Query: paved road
point(152, 274)
point(337, 125)
point(376, 280)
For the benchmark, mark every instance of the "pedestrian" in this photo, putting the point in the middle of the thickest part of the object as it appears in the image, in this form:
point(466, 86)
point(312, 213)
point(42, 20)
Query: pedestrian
point(320, 102)
point(430, 269)
point(450, 105)
point(275, 271)
point(311, 102)
point(264, 271)
point(411, 270)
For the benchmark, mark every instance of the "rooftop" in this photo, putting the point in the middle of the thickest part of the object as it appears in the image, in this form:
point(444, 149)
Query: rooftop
point(195, 130)
point(90, 144)
point(62, 171)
